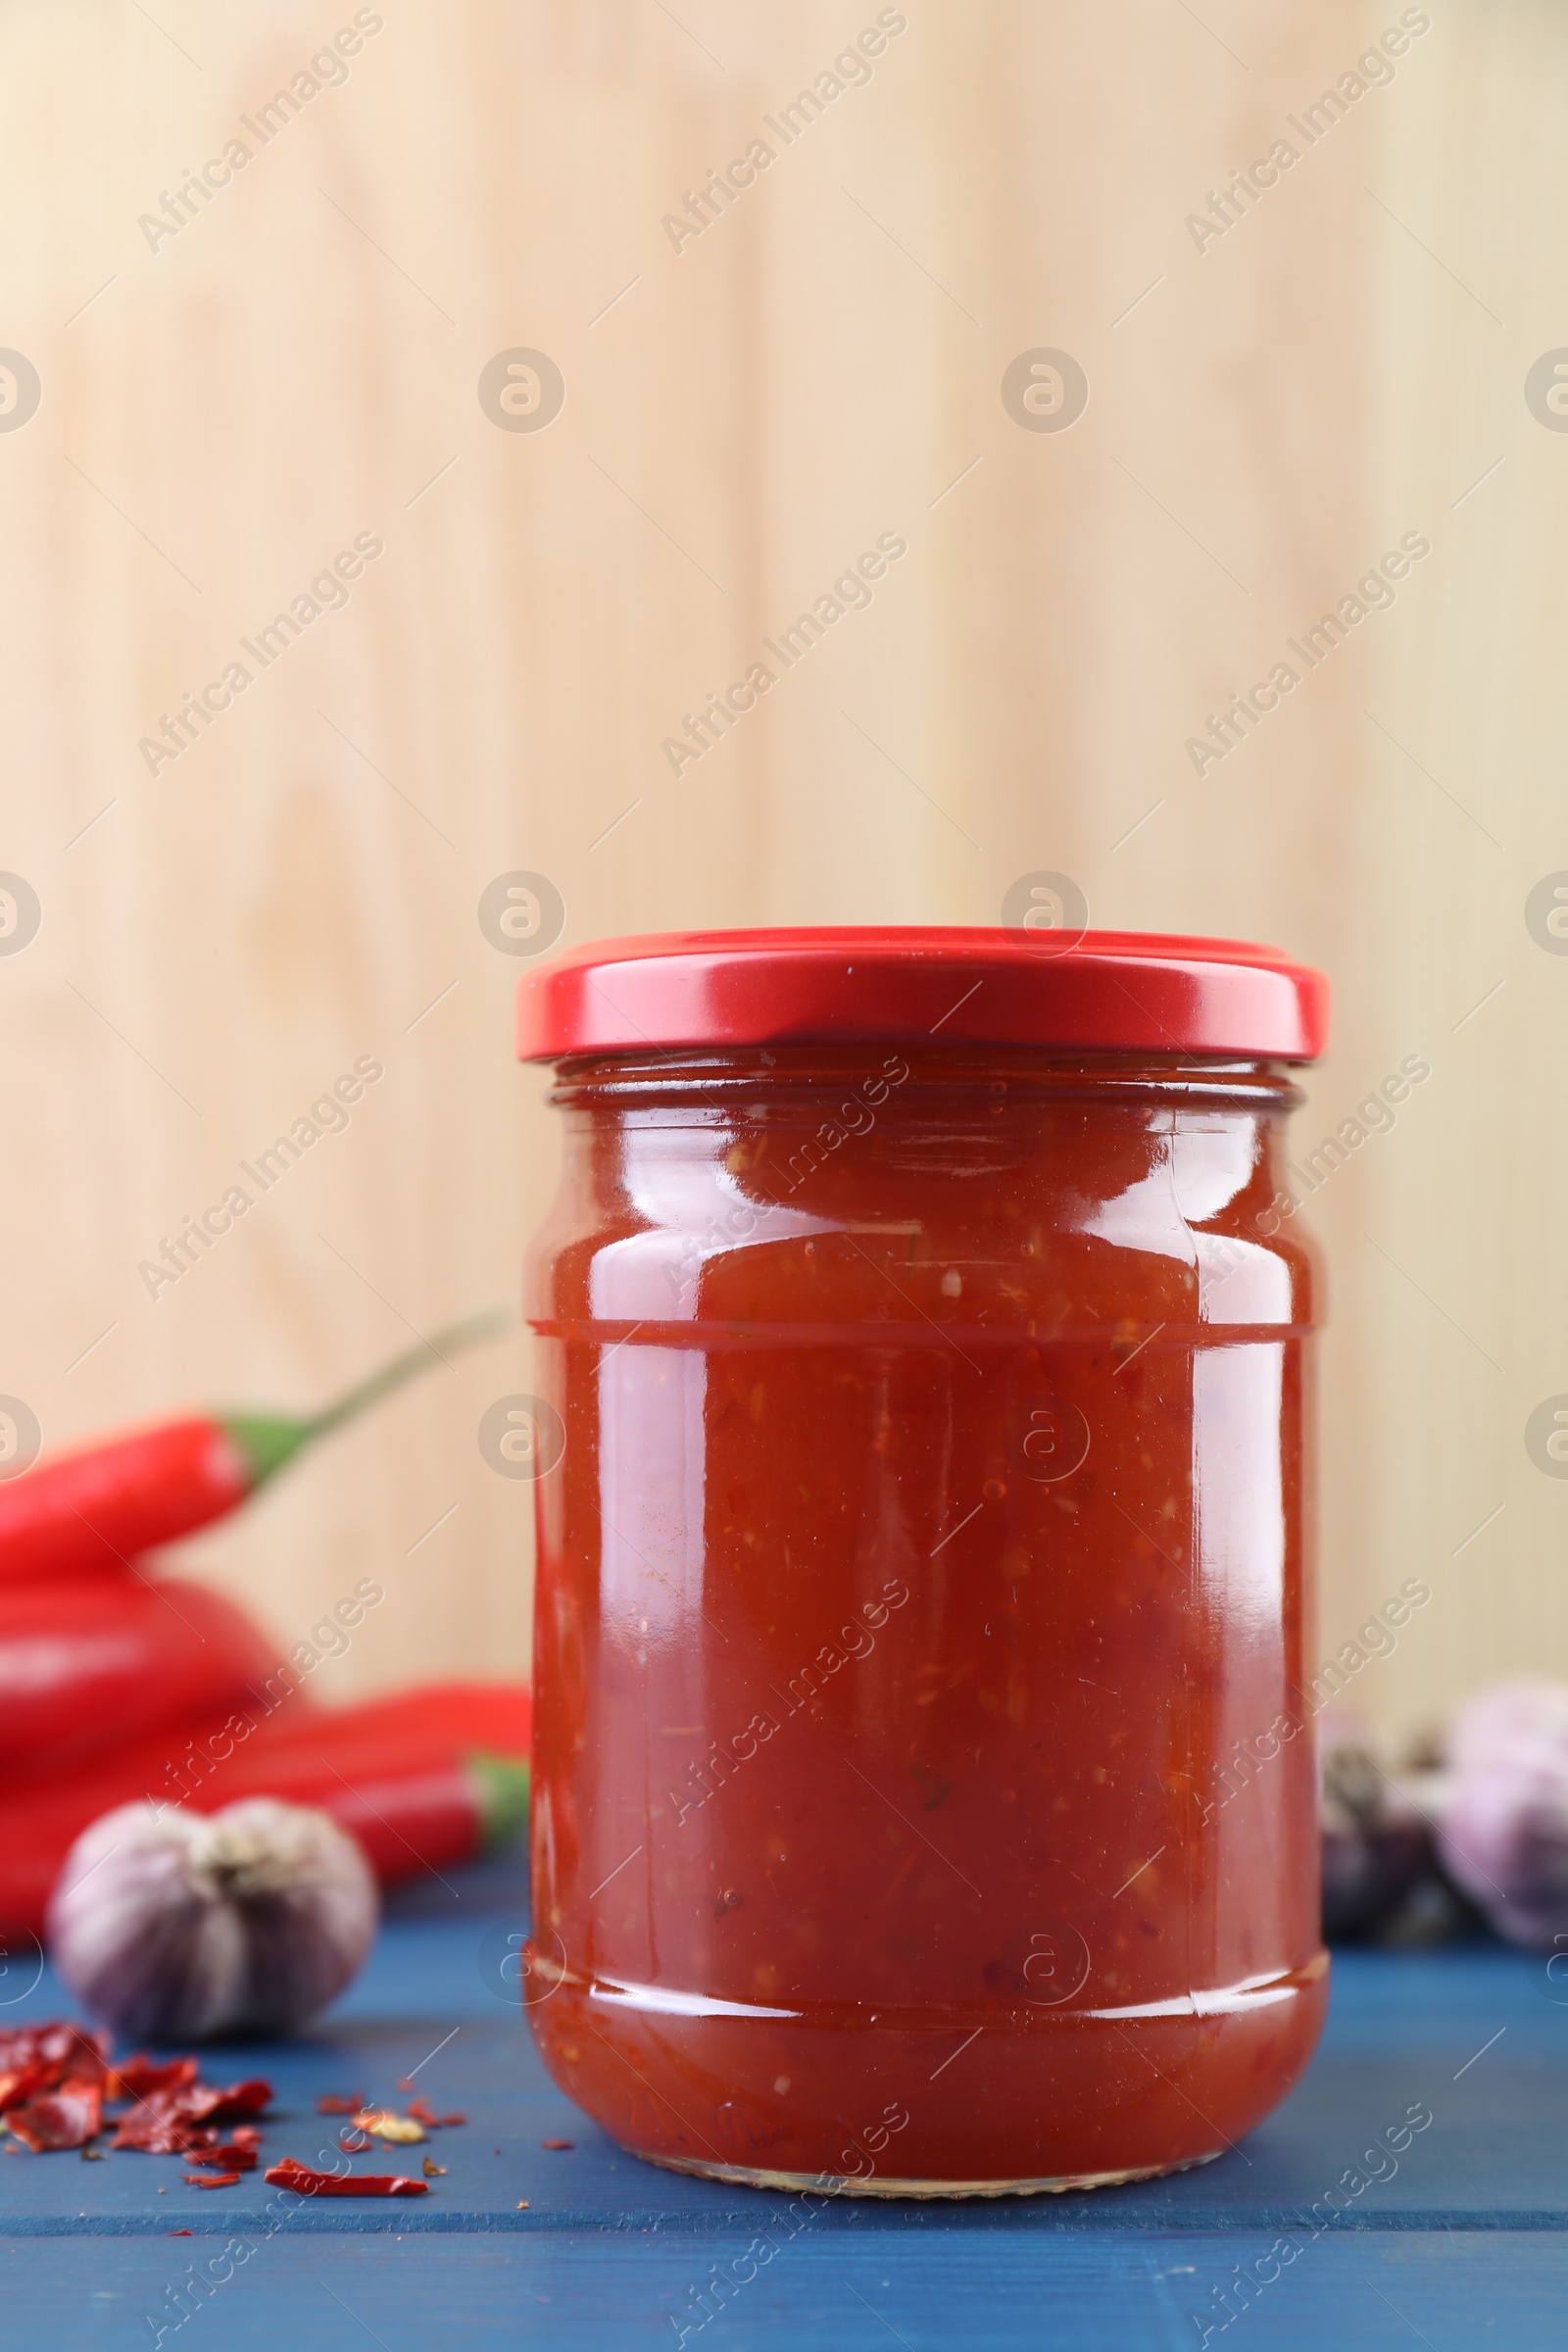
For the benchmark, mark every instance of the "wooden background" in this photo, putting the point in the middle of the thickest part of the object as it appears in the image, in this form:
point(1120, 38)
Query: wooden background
point(221, 415)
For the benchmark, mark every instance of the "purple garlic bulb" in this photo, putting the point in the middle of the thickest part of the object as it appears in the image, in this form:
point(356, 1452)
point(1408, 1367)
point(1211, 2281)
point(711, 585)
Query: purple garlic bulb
point(1503, 1833)
point(193, 1926)
point(1374, 1841)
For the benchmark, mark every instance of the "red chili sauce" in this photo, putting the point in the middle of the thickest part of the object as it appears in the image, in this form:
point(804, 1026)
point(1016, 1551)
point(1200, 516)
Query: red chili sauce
point(927, 1546)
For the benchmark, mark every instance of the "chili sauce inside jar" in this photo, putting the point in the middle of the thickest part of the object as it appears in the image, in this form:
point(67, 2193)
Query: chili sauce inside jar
point(924, 1799)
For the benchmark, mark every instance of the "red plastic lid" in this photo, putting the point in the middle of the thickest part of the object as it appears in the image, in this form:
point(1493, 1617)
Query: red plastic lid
point(1104, 991)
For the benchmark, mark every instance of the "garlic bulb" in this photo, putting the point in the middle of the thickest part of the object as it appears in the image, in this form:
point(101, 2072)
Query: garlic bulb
point(193, 1926)
point(1374, 1841)
point(1505, 1814)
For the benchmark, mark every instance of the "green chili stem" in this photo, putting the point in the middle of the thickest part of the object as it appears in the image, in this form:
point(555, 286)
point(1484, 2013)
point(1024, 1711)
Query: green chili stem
point(453, 1336)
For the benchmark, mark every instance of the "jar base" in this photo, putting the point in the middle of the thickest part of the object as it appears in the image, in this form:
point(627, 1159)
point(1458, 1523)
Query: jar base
point(833, 2185)
point(1049, 2099)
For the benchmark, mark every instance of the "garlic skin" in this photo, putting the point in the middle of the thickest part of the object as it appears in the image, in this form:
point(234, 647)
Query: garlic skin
point(201, 1925)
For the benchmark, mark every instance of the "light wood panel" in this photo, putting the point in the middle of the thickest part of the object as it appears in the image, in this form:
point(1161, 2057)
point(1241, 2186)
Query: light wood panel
point(1466, 1197)
point(743, 415)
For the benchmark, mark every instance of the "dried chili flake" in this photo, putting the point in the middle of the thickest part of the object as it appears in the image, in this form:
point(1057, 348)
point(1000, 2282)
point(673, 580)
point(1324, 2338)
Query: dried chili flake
point(62, 2050)
point(173, 2121)
point(208, 2106)
point(424, 2113)
point(51, 2083)
point(238, 2156)
point(157, 2132)
point(18, 2083)
point(286, 2173)
point(210, 2180)
point(58, 2119)
point(140, 2077)
point(55, 2077)
point(331, 2102)
point(557, 2143)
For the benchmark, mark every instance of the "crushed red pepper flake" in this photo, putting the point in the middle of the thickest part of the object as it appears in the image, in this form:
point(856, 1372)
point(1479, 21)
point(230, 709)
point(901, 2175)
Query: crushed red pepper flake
point(17, 2084)
point(140, 2077)
point(558, 2144)
point(332, 2102)
point(238, 2156)
point(159, 2134)
point(55, 2080)
point(210, 2180)
point(424, 2113)
point(66, 2118)
point(205, 2105)
point(62, 2050)
point(52, 2084)
point(174, 2122)
point(287, 2174)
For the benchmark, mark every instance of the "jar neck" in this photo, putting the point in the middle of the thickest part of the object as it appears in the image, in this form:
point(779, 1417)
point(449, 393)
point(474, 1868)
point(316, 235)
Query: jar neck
point(935, 1077)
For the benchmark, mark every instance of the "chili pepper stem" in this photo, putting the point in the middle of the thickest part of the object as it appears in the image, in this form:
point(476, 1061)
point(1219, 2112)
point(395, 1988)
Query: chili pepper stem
point(502, 1783)
point(269, 1441)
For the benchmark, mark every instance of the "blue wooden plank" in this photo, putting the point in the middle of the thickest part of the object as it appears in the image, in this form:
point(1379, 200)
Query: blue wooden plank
point(1096, 2291)
point(1471, 2227)
point(1403, 2031)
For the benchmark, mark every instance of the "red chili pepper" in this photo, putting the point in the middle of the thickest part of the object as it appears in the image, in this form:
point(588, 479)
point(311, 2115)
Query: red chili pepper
point(103, 1508)
point(425, 1779)
point(425, 1725)
point(92, 1662)
point(289, 2174)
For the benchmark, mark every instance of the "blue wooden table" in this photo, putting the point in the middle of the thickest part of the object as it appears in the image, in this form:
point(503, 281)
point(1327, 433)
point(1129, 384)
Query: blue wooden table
point(1465, 2243)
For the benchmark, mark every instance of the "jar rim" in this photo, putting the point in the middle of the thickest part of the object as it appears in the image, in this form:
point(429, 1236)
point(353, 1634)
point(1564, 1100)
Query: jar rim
point(1069, 989)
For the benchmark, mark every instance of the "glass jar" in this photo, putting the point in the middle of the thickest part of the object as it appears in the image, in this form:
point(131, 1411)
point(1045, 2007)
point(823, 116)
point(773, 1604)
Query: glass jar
point(925, 1798)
